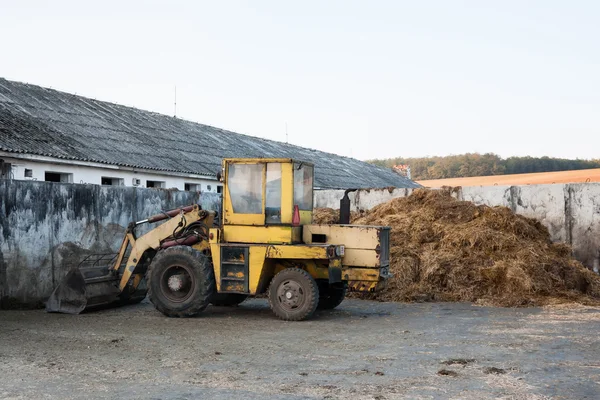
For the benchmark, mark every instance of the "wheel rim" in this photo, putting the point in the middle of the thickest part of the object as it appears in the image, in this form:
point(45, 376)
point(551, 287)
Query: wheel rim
point(177, 283)
point(290, 295)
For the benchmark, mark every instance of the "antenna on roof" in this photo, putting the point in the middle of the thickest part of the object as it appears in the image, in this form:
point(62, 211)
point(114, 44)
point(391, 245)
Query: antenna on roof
point(286, 135)
point(175, 104)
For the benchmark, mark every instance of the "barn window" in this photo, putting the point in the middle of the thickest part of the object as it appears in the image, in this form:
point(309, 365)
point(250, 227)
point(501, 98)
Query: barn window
point(62, 177)
point(192, 187)
point(28, 173)
point(105, 180)
point(155, 184)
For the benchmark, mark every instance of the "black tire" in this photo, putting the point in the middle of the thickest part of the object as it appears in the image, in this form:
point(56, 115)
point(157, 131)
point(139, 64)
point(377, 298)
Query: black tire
point(187, 268)
point(293, 295)
point(227, 299)
point(330, 296)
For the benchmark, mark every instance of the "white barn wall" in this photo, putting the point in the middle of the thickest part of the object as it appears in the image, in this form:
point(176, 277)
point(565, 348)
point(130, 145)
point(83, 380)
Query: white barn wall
point(92, 174)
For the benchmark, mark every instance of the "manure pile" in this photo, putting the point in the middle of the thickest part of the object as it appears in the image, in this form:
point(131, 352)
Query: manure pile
point(443, 249)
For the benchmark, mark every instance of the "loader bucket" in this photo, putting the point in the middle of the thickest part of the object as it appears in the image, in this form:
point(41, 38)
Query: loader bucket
point(77, 293)
point(92, 285)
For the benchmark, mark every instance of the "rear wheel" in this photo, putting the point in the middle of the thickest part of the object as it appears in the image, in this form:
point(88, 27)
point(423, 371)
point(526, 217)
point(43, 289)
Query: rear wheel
point(180, 281)
point(227, 299)
point(330, 296)
point(293, 295)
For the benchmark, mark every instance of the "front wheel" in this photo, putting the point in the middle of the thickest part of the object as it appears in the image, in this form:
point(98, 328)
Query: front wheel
point(293, 295)
point(181, 281)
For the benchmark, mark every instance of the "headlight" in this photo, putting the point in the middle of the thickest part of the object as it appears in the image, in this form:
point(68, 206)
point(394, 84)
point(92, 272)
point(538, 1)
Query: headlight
point(339, 251)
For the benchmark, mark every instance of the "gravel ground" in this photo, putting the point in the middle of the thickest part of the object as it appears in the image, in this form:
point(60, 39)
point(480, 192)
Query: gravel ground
point(362, 350)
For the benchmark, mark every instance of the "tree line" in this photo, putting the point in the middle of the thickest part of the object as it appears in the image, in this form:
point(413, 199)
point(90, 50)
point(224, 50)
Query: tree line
point(475, 164)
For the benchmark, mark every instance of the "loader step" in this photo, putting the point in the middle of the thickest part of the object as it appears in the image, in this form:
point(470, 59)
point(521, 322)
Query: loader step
point(234, 269)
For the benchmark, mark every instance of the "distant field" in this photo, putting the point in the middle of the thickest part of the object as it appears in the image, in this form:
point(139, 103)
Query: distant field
point(584, 175)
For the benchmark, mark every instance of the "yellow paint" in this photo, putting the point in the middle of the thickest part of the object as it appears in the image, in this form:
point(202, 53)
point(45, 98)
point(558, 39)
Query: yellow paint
point(256, 267)
point(151, 240)
point(287, 192)
point(127, 239)
point(215, 250)
point(298, 251)
point(317, 271)
point(369, 276)
point(202, 246)
point(351, 236)
point(216, 235)
point(137, 278)
point(361, 258)
point(271, 248)
point(360, 242)
point(235, 287)
point(360, 274)
point(305, 217)
point(258, 234)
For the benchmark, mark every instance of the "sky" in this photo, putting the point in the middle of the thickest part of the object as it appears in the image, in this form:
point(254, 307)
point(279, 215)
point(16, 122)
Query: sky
point(364, 79)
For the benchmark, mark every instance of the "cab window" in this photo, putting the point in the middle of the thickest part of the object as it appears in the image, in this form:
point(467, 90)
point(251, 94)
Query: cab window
point(303, 186)
point(245, 183)
point(273, 197)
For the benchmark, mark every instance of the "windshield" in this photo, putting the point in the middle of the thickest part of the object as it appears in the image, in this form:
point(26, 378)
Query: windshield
point(303, 186)
point(245, 188)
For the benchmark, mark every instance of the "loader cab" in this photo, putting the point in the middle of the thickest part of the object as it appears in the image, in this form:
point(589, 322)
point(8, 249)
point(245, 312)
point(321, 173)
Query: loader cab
point(266, 200)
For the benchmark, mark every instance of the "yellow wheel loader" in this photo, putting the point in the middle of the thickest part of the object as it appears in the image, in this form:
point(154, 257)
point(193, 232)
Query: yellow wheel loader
point(264, 242)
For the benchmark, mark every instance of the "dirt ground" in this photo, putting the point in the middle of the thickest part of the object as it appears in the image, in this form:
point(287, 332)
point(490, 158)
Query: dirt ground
point(362, 350)
point(584, 175)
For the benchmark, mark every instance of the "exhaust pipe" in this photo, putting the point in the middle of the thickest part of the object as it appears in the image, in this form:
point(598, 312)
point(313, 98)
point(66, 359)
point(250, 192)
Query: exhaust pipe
point(345, 207)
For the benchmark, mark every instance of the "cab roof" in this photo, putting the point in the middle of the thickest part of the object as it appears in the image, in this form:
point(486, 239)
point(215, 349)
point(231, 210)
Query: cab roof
point(265, 160)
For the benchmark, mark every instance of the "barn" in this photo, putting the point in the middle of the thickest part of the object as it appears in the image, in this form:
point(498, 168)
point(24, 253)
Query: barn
point(48, 135)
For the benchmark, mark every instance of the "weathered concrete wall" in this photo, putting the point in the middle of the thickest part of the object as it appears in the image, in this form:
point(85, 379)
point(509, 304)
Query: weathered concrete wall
point(47, 228)
point(571, 212)
point(363, 199)
point(545, 203)
point(584, 220)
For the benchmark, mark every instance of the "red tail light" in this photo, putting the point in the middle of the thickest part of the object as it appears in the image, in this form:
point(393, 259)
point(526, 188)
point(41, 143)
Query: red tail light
point(296, 216)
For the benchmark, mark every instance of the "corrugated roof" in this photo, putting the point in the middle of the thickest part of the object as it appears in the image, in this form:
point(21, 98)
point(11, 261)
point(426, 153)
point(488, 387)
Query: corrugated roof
point(40, 121)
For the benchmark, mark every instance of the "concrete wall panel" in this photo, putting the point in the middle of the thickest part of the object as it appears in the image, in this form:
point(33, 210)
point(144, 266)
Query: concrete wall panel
point(488, 195)
point(48, 228)
point(369, 198)
point(584, 215)
point(545, 203)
